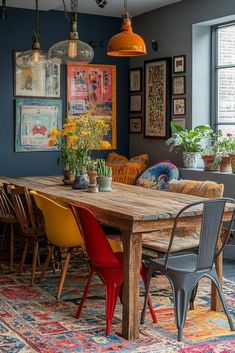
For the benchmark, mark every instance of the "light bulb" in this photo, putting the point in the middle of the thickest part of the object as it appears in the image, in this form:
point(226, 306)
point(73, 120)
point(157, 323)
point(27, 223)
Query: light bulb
point(35, 56)
point(72, 49)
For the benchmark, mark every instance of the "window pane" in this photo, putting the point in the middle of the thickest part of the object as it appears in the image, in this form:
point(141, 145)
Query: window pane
point(227, 129)
point(226, 95)
point(226, 45)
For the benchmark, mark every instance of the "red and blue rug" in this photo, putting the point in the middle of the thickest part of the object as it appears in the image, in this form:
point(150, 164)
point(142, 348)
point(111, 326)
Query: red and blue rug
point(32, 320)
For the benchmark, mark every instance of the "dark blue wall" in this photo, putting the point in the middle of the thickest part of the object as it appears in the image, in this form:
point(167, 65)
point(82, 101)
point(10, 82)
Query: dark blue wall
point(16, 33)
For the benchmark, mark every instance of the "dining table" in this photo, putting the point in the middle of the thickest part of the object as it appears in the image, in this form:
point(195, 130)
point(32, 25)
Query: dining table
point(134, 210)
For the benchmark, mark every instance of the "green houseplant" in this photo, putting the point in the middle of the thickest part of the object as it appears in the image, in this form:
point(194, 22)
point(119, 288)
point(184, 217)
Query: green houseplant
point(104, 176)
point(189, 141)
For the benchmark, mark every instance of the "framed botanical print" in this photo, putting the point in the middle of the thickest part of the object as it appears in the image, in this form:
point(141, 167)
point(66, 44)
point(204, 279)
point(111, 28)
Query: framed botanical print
point(34, 119)
point(157, 98)
point(179, 64)
point(178, 85)
point(179, 106)
point(135, 105)
point(43, 83)
point(91, 89)
point(135, 80)
point(180, 121)
point(135, 125)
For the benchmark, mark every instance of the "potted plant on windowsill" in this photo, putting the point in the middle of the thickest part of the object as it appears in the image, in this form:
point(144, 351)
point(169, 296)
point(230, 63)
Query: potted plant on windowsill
point(232, 151)
point(189, 141)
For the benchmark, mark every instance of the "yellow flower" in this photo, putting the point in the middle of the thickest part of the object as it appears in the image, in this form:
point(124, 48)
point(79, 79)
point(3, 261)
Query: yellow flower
point(105, 144)
point(52, 142)
point(54, 132)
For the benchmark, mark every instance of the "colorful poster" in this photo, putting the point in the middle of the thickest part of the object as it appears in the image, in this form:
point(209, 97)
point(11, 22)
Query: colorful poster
point(92, 89)
point(35, 118)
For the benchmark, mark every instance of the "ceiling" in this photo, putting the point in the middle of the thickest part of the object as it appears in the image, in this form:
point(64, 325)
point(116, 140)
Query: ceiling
point(113, 7)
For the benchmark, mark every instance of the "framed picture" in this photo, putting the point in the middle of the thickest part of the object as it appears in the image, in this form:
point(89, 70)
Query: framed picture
point(91, 89)
point(135, 125)
point(180, 121)
point(37, 83)
point(135, 103)
point(178, 85)
point(179, 106)
point(179, 64)
point(34, 119)
point(157, 98)
point(135, 80)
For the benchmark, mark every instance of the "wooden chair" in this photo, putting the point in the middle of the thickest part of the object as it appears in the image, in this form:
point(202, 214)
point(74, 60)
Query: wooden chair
point(8, 218)
point(31, 230)
point(156, 244)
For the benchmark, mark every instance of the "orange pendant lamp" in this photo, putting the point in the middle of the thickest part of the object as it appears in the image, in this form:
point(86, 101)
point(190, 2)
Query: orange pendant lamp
point(126, 43)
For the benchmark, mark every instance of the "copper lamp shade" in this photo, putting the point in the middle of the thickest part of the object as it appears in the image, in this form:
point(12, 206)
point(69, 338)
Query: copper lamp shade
point(126, 43)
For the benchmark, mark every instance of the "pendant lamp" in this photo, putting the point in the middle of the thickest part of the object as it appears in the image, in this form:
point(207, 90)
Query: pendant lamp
point(73, 49)
point(34, 58)
point(126, 43)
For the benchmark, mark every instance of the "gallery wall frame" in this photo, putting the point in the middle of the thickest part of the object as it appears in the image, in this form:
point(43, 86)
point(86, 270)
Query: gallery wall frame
point(178, 85)
point(179, 106)
point(135, 80)
point(34, 120)
point(179, 64)
point(135, 125)
point(157, 97)
point(91, 89)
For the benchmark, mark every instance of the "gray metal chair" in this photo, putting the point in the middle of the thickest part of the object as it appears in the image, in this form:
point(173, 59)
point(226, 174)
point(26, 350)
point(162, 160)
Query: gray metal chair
point(185, 271)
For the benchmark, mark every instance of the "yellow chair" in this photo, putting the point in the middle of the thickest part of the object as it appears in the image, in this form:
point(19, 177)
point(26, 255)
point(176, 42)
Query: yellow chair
point(61, 231)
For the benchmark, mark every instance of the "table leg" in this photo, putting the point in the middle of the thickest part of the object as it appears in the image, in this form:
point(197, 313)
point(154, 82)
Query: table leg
point(132, 247)
point(215, 300)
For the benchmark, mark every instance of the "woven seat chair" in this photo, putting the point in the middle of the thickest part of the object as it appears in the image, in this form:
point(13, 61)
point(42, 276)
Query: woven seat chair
point(155, 244)
point(8, 218)
point(31, 229)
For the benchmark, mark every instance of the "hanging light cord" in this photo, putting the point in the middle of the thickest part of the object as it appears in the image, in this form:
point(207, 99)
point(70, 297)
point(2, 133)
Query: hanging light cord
point(74, 9)
point(125, 5)
point(36, 33)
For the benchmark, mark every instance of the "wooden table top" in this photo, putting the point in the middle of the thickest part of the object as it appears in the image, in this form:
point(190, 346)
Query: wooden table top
point(130, 202)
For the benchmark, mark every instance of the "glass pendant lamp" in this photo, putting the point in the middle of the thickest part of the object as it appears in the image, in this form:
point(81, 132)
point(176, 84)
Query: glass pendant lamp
point(73, 49)
point(126, 43)
point(34, 58)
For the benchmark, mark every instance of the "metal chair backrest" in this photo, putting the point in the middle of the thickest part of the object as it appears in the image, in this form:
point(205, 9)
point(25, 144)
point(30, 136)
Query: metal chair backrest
point(211, 222)
point(6, 207)
point(98, 248)
point(23, 208)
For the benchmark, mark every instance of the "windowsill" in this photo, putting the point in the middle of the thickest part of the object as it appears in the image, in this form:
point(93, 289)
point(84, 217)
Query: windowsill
point(206, 171)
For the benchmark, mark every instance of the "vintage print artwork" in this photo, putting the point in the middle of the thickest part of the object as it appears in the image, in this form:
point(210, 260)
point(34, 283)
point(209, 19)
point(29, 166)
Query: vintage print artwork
point(157, 97)
point(37, 83)
point(92, 89)
point(35, 118)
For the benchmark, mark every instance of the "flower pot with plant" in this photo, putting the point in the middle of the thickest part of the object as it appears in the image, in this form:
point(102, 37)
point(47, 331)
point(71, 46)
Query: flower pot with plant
point(189, 141)
point(104, 176)
point(231, 150)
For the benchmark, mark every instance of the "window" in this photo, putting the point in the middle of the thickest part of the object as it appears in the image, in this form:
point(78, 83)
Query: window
point(225, 77)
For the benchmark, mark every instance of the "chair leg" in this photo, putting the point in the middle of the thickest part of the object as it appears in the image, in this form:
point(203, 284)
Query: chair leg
point(112, 291)
point(34, 261)
point(149, 277)
point(181, 299)
point(91, 274)
point(217, 284)
point(45, 265)
point(4, 234)
point(63, 274)
point(23, 256)
point(192, 298)
point(144, 277)
point(11, 246)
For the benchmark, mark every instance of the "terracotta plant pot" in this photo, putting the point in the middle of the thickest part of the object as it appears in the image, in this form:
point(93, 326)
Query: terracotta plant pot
point(232, 160)
point(208, 162)
point(190, 159)
point(225, 164)
point(68, 177)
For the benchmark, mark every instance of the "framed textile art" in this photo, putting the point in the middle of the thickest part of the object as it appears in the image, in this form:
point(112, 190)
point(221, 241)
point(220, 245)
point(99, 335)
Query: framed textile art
point(43, 83)
point(135, 125)
point(35, 118)
point(157, 98)
point(91, 89)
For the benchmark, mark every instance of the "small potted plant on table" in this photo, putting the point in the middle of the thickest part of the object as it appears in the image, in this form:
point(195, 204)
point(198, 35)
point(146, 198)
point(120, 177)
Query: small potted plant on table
point(104, 176)
point(189, 141)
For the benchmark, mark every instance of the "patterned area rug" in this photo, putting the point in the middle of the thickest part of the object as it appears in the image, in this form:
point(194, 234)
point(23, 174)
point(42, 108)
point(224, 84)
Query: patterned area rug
point(32, 320)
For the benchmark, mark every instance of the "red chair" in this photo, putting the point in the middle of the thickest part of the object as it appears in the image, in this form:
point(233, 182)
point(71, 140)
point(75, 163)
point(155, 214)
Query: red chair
point(107, 264)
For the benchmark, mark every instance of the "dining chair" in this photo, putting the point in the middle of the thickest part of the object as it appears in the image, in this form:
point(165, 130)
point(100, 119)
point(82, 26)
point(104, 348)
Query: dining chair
point(155, 244)
point(185, 271)
point(62, 231)
point(104, 262)
point(31, 229)
point(8, 218)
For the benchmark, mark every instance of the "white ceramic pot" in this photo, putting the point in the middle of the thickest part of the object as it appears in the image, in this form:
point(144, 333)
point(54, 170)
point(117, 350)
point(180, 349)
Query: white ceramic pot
point(190, 159)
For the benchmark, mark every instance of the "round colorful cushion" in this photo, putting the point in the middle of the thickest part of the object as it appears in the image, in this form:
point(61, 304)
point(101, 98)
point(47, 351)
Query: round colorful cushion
point(158, 176)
